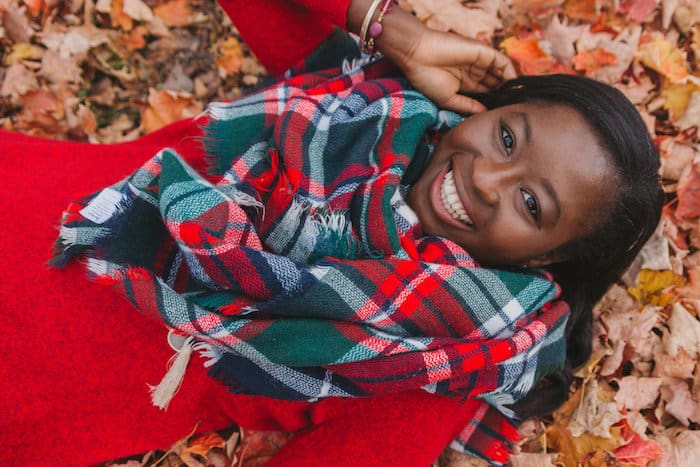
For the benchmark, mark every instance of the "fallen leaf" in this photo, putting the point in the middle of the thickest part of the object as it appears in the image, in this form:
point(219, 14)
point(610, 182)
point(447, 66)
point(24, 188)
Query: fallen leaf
point(679, 402)
point(41, 112)
point(653, 286)
point(642, 11)
point(166, 107)
point(477, 20)
point(637, 450)
point(526, 459)
point(119, 16)
point(174, 13)
point(681, 448)
point(675, 158)
point(23, 51)
point(562, 36)
point(586, 10)
point(18, 81)
point(573, 450)
point(230, 57)
point(679, 366)
point(686, 15)
point(688, 193)
point(257, 447)
point(591, 61)
point(637, 393)
point(684, 332)
point(530, 57)
point(661, 55)
point(594, 416)
point(677, 97)
point(690, 116)
point(137, 10)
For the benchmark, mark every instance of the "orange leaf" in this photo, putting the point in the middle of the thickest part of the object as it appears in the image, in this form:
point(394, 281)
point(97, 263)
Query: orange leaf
point(119, 18)
point(165, 107)
point(41, 109)
point(136, 39)
point(590, 61)
point(531, 59)
point(174, 13)
point(230, 57)
point(203, 443)
point(581, 9)
point(34, 6)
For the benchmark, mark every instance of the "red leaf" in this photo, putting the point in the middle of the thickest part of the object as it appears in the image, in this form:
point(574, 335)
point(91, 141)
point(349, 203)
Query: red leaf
point(637, 451)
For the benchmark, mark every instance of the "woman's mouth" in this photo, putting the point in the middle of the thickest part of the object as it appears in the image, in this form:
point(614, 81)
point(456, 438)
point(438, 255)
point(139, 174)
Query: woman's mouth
point(451, 201)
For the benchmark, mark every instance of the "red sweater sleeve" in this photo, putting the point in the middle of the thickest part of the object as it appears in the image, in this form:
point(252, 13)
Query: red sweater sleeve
point(282, 32)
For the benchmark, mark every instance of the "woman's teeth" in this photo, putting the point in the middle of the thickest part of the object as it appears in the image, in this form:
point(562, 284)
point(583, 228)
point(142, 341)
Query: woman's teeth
point(452, 203)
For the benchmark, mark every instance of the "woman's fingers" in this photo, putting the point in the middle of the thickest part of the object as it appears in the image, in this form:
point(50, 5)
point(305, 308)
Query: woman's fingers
point(463, 104)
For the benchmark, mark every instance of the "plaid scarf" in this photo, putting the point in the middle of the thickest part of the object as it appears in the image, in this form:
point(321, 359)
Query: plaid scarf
point(300, 269)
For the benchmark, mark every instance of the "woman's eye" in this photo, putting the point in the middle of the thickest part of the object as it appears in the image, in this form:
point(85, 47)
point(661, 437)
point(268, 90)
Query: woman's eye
point(531, 205)
point(507, 139)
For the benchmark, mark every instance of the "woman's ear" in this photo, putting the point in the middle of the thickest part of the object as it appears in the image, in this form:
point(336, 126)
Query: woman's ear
point(544, 260)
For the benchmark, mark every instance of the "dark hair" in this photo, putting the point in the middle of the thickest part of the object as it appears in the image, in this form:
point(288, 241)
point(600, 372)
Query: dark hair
point(598, 259)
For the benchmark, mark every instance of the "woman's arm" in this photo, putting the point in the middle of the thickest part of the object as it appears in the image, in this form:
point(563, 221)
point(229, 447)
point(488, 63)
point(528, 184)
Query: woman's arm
point(439, 64)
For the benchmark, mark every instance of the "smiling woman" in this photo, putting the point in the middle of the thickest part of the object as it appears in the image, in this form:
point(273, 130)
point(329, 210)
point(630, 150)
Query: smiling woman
point(343, 248)
point(503, 184)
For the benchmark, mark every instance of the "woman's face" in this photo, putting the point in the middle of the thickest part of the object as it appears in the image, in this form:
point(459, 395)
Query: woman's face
point(513, 184)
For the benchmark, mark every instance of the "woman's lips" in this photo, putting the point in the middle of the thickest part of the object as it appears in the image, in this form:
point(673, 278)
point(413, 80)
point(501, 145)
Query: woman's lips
point(447, 204)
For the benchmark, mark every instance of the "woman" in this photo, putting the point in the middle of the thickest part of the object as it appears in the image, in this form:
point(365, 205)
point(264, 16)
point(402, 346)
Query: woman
point(544, 218)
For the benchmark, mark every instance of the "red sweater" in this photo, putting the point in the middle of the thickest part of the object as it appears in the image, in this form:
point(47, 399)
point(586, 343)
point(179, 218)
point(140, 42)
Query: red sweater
point(72, 395)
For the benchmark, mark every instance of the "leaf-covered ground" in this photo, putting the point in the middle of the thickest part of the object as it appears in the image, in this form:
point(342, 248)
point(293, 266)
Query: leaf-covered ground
point(110, 70)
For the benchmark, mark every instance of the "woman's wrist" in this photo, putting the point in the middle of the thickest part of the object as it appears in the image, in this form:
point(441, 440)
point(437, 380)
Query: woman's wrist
point(400, 33)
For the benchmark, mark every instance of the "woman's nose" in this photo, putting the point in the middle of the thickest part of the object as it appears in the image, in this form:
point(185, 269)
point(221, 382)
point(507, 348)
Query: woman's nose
point(490, 178)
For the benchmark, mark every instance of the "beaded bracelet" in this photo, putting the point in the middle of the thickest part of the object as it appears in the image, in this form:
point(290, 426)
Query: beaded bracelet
point(367, 45)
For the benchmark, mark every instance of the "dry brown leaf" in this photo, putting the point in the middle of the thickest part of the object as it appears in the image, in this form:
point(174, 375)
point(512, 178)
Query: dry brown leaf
point(526, 459)
point(137, 10)
point(477, 20)
point(165, 107)
point(175, 13)
point(586, 10)
point(688, 192)
point(637, 393)
point(681, 448)
point(675, 157)
point(684, 332)
point(18, 81)
point(642, 11)
point(574, 450)
point(594, 416)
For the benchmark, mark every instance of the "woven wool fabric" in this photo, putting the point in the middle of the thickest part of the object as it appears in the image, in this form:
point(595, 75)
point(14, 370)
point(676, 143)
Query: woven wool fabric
point(301, 270)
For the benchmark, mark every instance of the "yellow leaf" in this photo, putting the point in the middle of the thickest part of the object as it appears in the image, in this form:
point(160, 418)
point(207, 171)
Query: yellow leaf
point(23, 51)
point(661, 55)
point(652, 286)
point(677, 97)
point(230, 57)
point(576, 450)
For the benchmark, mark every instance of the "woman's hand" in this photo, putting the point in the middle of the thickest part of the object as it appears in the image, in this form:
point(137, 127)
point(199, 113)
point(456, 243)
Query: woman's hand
point(441, 65)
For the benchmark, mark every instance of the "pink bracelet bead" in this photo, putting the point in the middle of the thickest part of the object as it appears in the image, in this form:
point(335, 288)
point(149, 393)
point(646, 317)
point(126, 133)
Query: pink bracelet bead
point(375, 29)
